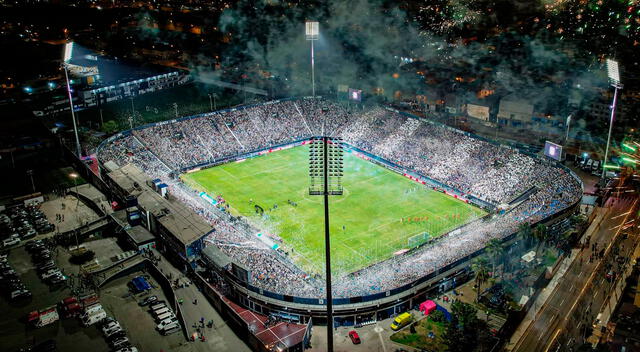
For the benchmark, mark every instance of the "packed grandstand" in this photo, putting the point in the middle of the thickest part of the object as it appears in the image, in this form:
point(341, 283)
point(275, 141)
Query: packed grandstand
point(495, 174)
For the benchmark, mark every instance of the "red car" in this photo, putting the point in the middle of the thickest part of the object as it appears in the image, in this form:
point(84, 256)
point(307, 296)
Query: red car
point(353, 335)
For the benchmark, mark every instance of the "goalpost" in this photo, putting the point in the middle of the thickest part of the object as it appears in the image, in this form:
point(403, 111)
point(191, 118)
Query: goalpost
point(416, 240)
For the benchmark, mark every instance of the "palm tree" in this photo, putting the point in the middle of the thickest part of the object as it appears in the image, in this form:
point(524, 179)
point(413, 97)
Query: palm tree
point(540, 233)
point(479, 266)
point(495, 249)
point(524, 231)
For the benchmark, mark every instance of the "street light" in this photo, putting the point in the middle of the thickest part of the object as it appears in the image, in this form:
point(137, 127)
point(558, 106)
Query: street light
point(68, 51)
point(74, 176)
point(613, 71)
point(212, 105)
point(312, 31)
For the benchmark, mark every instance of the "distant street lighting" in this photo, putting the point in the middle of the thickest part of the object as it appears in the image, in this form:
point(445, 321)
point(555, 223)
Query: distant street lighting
point(212, 105)
point(312, 32)
point(68, 52)
point(613, 71)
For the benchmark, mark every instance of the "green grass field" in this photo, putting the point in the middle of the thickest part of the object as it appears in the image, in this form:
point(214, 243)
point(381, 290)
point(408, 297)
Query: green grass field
point(374, 209)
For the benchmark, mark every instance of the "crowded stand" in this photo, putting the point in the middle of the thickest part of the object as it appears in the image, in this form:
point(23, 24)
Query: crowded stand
point(490, 172)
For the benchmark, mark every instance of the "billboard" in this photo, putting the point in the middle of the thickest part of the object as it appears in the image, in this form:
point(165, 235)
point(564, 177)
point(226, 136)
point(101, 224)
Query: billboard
point(355, 94)
point(552, 150)
point(478, 112)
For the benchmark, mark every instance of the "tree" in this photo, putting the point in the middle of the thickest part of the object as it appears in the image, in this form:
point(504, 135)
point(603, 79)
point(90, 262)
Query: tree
point(461, 334)
point(540, 233)
point(437, 316)
point(479, 266)
point(495, 249)
point(524, 231)
point(109, 127)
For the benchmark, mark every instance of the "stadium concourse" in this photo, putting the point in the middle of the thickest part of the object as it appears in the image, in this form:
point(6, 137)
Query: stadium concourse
point(494, 174)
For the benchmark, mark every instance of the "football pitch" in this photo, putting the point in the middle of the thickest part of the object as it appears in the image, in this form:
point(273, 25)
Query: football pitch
point(375, 218)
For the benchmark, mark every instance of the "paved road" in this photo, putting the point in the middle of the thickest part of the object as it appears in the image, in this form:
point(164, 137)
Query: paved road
point(582, 291)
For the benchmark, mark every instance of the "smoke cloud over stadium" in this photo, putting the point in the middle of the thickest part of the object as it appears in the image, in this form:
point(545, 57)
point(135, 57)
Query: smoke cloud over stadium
point(362, 44)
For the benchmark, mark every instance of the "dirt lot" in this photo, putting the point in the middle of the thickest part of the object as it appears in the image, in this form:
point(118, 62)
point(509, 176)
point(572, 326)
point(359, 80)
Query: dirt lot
point(137, 320)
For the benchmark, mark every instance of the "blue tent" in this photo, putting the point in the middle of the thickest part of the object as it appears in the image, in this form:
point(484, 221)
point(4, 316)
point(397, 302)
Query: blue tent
point(444, 311)
point(140, 284)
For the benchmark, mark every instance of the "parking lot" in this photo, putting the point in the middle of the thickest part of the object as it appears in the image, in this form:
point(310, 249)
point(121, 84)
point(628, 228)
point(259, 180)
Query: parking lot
point(69, 334)
point(137, 320)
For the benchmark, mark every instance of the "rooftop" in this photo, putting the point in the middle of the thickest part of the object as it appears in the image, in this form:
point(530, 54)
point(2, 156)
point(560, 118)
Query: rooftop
point(180, 220)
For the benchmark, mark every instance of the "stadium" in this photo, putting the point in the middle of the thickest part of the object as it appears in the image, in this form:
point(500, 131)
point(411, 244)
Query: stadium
point(420, 200)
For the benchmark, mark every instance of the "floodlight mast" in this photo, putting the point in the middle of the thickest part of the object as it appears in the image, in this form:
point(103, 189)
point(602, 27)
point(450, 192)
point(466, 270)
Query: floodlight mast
point(312, 31)
point(68, 50)
point(325, 173)
point(613, 72)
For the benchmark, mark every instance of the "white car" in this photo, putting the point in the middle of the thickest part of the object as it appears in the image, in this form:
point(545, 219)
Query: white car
point(10, 242)
point(110, 326)
point(127, 349)
point(51, 273)
point(166, 322)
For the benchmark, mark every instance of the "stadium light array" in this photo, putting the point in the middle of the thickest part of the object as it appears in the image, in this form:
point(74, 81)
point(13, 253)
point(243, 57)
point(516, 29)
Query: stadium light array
point(613, 71)
point(326, 168)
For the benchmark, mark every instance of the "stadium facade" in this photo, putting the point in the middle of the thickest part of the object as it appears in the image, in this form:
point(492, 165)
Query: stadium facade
point(181, 231)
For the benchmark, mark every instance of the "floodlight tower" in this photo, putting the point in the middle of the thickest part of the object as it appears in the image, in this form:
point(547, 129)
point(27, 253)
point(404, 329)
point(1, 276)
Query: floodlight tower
point(613, 72)
point(68, 51)
point(312, 31)
point(326, 166)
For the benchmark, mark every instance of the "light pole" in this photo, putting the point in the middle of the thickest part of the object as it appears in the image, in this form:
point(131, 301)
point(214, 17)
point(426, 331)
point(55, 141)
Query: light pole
point(312, 31)
point(212, 104)
point(566, 136)
point(74, 176)
point(613, 72)
point(325, 176)
point(68, 50)
point(175, 106)
point(33, 185)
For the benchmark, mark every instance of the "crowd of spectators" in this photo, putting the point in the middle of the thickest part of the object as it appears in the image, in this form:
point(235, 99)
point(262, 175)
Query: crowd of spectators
point(496, 174)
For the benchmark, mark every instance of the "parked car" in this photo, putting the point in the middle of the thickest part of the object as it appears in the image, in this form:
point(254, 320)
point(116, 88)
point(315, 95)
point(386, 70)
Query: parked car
point(119, 342)
point(127, 349)
point(50, 273)
point(353, 335)
point(116, 336)
point(10, 242)
point(148, 300)
point(111, 327)
point(20, 294)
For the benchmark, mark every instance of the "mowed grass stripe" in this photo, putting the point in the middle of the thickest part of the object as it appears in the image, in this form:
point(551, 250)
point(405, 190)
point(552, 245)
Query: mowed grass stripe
point(371, 211)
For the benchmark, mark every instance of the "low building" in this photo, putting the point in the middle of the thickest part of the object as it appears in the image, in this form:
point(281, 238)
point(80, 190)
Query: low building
point(514, 111)
point(180, 232)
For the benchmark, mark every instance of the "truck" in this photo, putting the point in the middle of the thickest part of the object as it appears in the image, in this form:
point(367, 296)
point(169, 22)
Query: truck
point(70, 307)
point(43, 317)
point(89, 300)
point(94, 317)
point(71, 310)
point(401, 321)
point(90, 309)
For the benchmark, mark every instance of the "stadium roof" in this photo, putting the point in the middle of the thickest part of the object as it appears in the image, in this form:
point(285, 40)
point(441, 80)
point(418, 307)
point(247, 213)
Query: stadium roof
point(181, 221)
point(216, 256)
point(280, 334)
